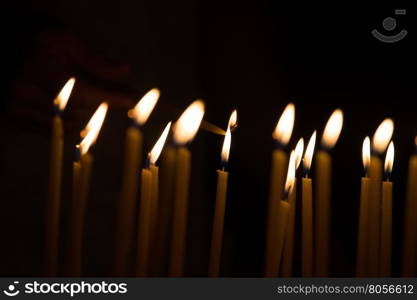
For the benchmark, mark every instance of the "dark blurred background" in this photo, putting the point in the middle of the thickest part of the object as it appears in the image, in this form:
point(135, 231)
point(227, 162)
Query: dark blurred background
point(254, 56)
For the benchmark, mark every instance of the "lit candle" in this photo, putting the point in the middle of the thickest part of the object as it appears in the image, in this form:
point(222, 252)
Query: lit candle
point(323, 193)
point(281, 135)
point(409, 259)
point(130, 179)
point(220, 205)
point(288, 252)
point(380, 142)
point(55, 174)
point(81, 184)
point(362, 244)
point(307, 212)
point(184, 131)
point(386, 222)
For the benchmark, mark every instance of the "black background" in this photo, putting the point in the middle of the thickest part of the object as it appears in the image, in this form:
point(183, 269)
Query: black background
point(255, 57)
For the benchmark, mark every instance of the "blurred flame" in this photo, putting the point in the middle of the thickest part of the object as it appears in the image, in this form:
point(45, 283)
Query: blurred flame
point(62, 99)
point(283, 131)
point(308, 156)
point(389, 158)
point(289, 183)
point(366, 153)
point(188, 123)
point(226, 146)
point(299, 148)
point(382, 136)
point(232, 120)
point(144, 107)
point(332, 130)
point(159, 145)
point(95, 122)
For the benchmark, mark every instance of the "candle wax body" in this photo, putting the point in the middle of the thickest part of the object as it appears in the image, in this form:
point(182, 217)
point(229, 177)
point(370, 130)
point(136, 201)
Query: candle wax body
point(154, 219)
point(374, 218)
point(284, 211)
point(54, 197)
point(81, 186)
point(179, 226)
point(288, 251)
point(165, 211)
point(322, 214)
point(279, 162)
point(217, 233)
point(362, 244)
point(145, 219)
point(386, 230)
point(409, 259)
point(128, 198)
point(307, 228)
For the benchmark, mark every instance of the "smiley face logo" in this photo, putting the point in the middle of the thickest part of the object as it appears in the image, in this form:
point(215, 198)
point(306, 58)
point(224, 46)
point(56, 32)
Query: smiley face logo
point(12, 290)
point(389, 24)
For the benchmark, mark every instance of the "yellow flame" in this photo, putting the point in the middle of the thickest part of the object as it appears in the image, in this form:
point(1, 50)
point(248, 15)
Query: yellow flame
point(62, 99)
point(289, 183)
point(382, 136)
point(389, 158)
point(188, 123)
point(226, 146)
point(308, 156)
point(141, 112)
point(299, 148)
point(159, 145)
point(332, 130)
point(366, 153)
point(95, 122)
point(232, 120)
point(283, 131)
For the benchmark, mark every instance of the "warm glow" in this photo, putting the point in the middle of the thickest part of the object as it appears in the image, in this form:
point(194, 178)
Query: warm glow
point(299, 148)
point(62, 99)
point(140, 113)
point(226, 146)
point(187, 125)
point(382, 136)
point(157, 149)
point(289, 183)
point(308, 156)
point(232, 121)
point(332, 130)
point(389, 159)
point(95, 122)
point(366, 153)
point(283, 131)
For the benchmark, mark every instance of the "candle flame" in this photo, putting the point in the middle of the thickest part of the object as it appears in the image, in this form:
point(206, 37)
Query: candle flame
point(188, 123)
point(95, 122)
point(332, 130)
point(226, 146)
point(141, 112)
point(382, 136)
point(232, 121)
point(389, 159)
point(289, 183)
point(299, 148)
point(62, 99)
point(283, 131)
point(308, 156)
point(366, 153)
point(159, 145)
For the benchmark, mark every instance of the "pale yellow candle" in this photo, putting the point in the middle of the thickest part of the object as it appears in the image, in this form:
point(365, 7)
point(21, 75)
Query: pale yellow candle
point(220, 204)
point(362, 243)
point(288, 252)
point(183, 132)
point(55, 174)
point(281, 135)
point(409, 257)
point(380, 142)
point(307, 212)
point(323, 194)
point(128, 197)
point(386, 217)
point(81, 186)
